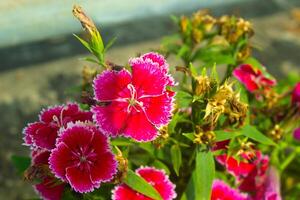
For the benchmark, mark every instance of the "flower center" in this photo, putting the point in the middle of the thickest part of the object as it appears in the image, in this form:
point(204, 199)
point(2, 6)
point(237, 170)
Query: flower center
point(132, 101)
point(82, 159)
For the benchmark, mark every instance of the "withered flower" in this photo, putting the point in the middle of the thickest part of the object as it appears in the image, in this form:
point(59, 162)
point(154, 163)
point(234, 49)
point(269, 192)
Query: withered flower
point(184, 21)
point(236, 110)
point(217, 105)
point(246, 150)
point(122, 166)
point(160, 141)
point(232, 29)
point(203, 85)
point(276, 133)
point(204, 137)
point(86, 22)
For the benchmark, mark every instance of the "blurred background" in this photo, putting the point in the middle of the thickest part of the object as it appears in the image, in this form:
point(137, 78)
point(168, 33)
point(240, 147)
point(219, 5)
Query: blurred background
point(40, 58)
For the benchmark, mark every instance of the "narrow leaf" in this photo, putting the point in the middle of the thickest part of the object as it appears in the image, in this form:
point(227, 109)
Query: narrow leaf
point(160, 165)
point(190, 136)
point(110, 43)
point(140, 185)
point(225, 135)
point(183, 99)
point(254, 134)
point(176, 158)
point(86, 44)
point(205, 173)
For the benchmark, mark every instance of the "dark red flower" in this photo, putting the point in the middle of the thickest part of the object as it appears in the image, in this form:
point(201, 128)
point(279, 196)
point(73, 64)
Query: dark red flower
point(157, 178)
point(252, 78)
point(43, 134)
point(50, 188)
point(82, 157)
point(250, 173)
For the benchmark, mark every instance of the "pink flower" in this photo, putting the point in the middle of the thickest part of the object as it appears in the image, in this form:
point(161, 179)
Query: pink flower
point(250, 173)
point(296, 94)
point(157, 178)
point(271, 187)
point(297, 134)
point(157, 60)
point(221, 191)
point(49, 188)
point(82, 157)
point(42, 134)
point(136, 104)
point(252, 78)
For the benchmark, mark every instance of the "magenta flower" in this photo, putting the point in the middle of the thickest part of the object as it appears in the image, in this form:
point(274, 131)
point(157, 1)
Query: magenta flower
point(136, 104)
point(296, 94)
point(250, 173)
point(297, 134)
point(82, 157)
point(157, 60)
point(43, 134)
point(49, 188)
point(252, 78)
point(157, 178)
point(271, 187)
point(221, 190)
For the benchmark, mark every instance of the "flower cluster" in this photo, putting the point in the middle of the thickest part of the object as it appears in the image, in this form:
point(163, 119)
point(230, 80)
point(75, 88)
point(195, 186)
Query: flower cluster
point(69, 148)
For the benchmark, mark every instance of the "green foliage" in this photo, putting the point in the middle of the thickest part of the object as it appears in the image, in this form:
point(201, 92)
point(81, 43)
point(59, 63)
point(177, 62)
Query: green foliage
point(204, 174)
point(176, 158)
point(140, 185)
point(253, 133)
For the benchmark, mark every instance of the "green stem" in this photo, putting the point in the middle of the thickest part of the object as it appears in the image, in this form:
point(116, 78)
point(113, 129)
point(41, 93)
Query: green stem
point(288, 160)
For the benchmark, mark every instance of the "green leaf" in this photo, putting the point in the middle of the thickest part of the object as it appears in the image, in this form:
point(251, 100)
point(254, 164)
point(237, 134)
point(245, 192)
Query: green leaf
point(85, 43)
point(110, 43)
point(254, 134)
point(190, 192)
point(204, 174)
point(183, 99)
point(21, 162)
point(140, 185)
point(176, 158)
point(214, 54)
point(89, 59)
point(121, 142)
point(225, 135)
point(160, 165)
point(190, 136)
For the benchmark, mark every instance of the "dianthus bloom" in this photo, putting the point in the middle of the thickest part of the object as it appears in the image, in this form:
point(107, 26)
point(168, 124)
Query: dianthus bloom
point(221, 190)
point(157, 178)
point(43, 133)
point(271, 187)
point(253, 78)
point(82, 157)
point(250, 172)
point(135, 104)
point(49, 188)
point(296, 94)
